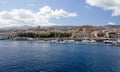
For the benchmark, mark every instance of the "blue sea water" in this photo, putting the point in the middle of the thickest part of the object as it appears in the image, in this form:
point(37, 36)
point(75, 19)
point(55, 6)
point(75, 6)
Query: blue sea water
point(31, 56)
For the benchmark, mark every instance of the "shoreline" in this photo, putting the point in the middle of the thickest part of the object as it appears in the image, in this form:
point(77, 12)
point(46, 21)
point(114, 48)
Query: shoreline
point(77, 39)
point(99, 42)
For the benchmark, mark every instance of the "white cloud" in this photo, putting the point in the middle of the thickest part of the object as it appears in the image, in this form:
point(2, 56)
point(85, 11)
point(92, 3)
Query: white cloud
point(111, 23)
point(113, 5)
point(19, 17)
point(48, 12)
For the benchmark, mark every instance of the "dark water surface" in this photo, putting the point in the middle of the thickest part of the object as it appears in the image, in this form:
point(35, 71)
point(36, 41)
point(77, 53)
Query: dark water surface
point(26, 56)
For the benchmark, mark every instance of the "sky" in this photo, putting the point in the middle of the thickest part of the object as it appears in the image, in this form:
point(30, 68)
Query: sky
point(59, 12)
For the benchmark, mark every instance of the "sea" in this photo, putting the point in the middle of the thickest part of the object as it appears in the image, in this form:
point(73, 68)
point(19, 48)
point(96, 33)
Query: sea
point(32, 56)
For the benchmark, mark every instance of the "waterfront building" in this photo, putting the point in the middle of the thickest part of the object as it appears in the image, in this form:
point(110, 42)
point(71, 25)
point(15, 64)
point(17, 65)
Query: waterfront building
point(111, 35)
point(96, 34)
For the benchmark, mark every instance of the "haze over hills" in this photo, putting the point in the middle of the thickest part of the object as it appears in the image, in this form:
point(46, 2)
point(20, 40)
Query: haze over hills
point(54, 27)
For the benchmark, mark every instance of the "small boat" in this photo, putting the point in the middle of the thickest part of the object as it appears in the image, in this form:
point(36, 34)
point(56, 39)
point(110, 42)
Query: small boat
point(108, 42)
point(70, 41)
point(116, 43)
point(93, 41)
point(30, 39)
point(58, 40)
point(85, 41)
point(66, 41)
point(118, 40)
point(54, 41)
point(89, 41)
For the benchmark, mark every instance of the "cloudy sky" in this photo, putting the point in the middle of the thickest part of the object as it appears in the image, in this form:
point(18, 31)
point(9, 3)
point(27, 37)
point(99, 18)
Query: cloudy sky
point(59, 12)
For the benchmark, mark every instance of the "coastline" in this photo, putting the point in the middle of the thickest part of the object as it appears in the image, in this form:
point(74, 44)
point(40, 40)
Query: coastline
point(78, 41)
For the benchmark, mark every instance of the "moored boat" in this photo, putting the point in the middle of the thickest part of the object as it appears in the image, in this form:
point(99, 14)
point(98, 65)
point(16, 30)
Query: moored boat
point(89, 41)
point(85, 41)
point(117, 43)
point(93, 41)
point(108, 42)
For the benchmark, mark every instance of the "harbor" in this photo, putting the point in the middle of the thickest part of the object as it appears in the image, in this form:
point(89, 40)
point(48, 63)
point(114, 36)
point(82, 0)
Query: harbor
point(102, 42)
point(82, 35)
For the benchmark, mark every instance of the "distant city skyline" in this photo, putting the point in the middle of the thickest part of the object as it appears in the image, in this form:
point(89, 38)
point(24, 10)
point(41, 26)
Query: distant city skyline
point(59, 12)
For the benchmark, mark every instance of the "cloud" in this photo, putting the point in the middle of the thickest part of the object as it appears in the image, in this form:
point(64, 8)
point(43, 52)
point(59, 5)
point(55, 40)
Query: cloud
point(20, 17)
point(111, 23)
point(113, 5)
point(48, 12)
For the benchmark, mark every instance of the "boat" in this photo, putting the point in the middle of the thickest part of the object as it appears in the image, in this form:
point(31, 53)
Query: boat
point(54, 41)
point(58, 40)
point(89, 41)
point(30, 39)
point(85, 41)
point(117, 43)
point(61, 41)
point(93, 41)
point(118, 40)
point(108, 42)
point(70, 41)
